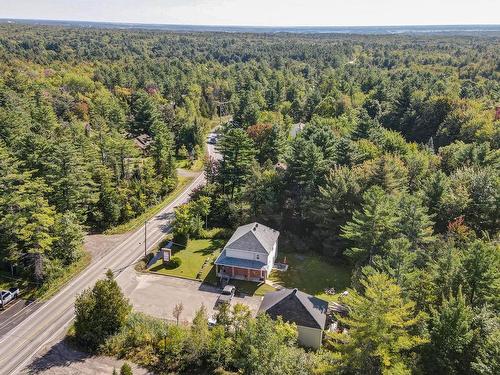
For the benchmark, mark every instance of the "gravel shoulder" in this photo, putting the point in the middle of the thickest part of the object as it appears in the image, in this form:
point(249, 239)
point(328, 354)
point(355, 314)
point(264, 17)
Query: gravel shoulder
point(99, 244)
point(61, 359)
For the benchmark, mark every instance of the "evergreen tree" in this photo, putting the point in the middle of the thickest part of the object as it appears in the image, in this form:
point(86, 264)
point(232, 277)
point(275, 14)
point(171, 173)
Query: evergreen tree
point(68, 238)
point(451, 335)
point(380, 329)
point(237, 154)
point(163, 151)
point(433, 190)
point(70, 180)
point(481, 274)
point(145, 113)
point(414, 223)
point(100, 312)
point(371, 228)
point(334, 206)
point(108, 209)
point(390, 174)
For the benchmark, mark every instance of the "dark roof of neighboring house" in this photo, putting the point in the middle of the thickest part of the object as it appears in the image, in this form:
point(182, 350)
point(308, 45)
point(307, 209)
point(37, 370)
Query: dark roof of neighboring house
point(296, 307)
point(253, 237)
point(143, 141)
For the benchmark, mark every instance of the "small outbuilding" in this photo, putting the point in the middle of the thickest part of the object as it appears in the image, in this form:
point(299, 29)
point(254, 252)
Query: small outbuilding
point(309, 313)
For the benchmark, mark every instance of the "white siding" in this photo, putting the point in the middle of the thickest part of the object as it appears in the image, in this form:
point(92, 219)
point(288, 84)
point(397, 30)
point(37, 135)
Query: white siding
point(241, 254)
point(310, 337)
point(261, 257)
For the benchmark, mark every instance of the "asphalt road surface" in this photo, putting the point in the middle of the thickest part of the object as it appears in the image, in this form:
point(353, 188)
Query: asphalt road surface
point(52, 319)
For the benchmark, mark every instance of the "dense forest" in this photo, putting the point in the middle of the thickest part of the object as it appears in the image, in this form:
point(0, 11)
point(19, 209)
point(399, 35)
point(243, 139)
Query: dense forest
point(381, 151)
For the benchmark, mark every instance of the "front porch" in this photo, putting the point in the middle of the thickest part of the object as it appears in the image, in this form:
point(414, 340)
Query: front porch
point(240, 273)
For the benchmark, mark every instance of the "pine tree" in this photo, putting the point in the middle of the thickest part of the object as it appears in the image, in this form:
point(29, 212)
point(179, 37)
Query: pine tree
point(70, 180)
point(451, 335)
point(162, 151)
point(237, 154)
point(414, 223)
point(380, 327)
point(145, 113)
point(481, 264)
point(371, 228)
point(108, 208)
point(334, 206)
point(390, 174)
point(69, 238)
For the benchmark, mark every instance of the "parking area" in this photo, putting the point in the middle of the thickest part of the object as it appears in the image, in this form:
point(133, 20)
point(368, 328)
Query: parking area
point(157, 295)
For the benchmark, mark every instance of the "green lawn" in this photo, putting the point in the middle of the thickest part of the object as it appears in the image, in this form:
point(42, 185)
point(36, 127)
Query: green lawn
point(193, 259)
point(312, 274)
point(252, 288)
point(152, 211)
point(184, 164)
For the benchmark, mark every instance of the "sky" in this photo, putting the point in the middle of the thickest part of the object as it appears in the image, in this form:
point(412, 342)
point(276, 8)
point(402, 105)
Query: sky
point(260, 12)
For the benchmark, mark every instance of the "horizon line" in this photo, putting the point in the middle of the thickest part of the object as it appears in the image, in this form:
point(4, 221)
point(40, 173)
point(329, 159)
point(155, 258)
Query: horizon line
point(244, 26)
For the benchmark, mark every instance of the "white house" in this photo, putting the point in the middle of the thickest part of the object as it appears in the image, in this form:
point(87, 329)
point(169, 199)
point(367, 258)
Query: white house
point(249, 254)
point(307, 312)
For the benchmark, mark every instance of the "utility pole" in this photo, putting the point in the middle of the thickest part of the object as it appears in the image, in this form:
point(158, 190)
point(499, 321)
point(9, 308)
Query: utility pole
point(145, 237)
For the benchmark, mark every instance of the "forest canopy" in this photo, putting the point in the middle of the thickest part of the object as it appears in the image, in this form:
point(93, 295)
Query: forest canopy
point(381, 151)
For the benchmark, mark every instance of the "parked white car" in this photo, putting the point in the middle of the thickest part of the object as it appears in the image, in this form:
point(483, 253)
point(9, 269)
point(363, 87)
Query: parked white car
point(7, 296)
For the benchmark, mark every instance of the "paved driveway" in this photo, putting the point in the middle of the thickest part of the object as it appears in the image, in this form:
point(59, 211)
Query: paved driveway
point(157, 295)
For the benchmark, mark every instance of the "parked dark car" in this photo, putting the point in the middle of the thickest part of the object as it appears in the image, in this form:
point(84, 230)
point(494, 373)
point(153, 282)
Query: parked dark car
point(227, 295)
point(7, 296)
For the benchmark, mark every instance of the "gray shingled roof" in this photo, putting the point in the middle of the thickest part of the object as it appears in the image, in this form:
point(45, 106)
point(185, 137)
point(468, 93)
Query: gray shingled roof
point(223, 260)
point(253, 237)
point(296, 307)
point(296, 129)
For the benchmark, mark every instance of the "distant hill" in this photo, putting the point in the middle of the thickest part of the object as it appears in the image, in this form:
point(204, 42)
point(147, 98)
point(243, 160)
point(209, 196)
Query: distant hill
point(410, 29)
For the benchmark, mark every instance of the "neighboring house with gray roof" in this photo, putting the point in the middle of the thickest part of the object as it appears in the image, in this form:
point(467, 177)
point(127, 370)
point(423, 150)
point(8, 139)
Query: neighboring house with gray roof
point(296, 129)
point(309, 313)
point(249, 254)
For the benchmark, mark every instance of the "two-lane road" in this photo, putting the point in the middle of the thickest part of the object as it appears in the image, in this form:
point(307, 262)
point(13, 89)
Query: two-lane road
point(19, 345)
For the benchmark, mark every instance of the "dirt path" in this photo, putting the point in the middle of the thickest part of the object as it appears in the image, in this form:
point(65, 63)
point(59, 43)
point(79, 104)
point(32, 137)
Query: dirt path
point(61, 359)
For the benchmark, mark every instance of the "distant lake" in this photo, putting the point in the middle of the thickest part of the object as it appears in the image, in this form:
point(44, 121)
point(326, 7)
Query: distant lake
point(437, 29)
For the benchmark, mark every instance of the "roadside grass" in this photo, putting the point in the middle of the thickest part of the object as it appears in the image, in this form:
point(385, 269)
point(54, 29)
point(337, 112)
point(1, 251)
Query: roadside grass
point(7, 281)
point(213, 123)
point(184, 163)
point(196, 259)
point(150, 212)
point(29, 290)
point(50, 288)
point(312, 273)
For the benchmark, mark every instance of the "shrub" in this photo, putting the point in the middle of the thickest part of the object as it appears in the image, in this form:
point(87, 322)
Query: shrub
point(215, 233)
point(126, 369)
point(175, 262)
point(141, 265)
